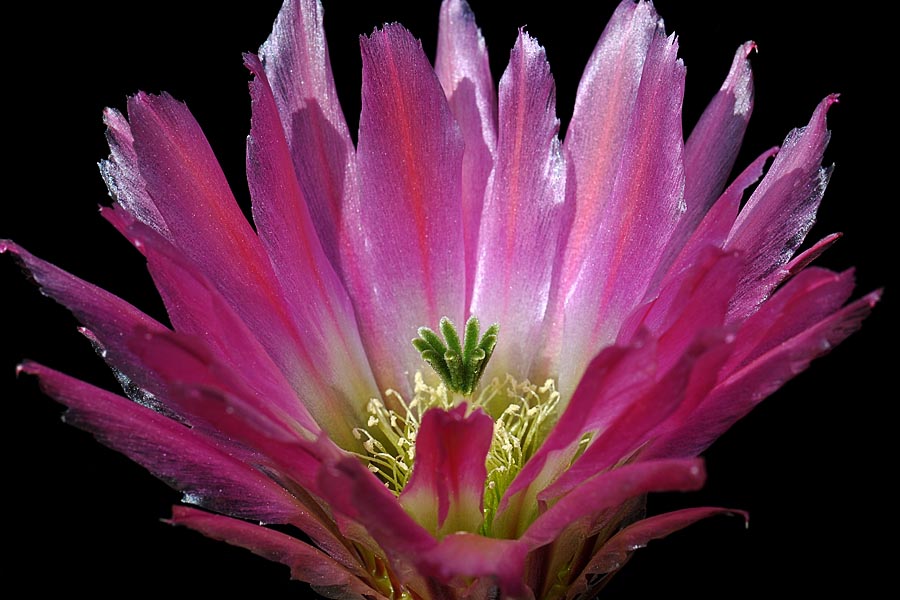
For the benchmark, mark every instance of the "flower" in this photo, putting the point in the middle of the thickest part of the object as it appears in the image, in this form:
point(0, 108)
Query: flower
point(213, 297)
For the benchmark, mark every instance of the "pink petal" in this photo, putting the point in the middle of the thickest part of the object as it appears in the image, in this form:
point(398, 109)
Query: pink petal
point(745, 387)
point(601, 120)
point(123, 175)
point(638, 215)
point(714, 228)
point(313, 291)
point(106, 319)
point(189, 462)
point(465, 74)
point(353, 491)
point(306, 563)
point(466, 555)
point(445, 491)
point(409, 256)
point(808, 256)
point(296, 61)
point(781, 210)
point(525, 215)
point(713, 145)
point(611, 489)
point(616, 552)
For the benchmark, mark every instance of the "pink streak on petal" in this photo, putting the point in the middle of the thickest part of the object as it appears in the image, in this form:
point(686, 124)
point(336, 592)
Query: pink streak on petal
point(781, 211)
point(611, 489)
point(616, 552)
point(186, 460)
point(465, 555)
point(525, 215)
point(445, 491)
point(465, 74)
point(296, 60)
point(638, 216)
point(313, 291)
point(306, 563)
point(409, 254)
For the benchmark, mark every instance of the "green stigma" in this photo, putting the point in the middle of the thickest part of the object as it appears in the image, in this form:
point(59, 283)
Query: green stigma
point(459, 365)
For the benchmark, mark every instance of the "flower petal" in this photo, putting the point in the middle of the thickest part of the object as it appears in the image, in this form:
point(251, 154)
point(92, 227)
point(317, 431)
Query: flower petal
point(465, 74)
point(409, 266)
point(525, 214)
point(638, 213)
point(308, 564)
point(612, 488)
point(745, 387)
point(781, 210)
point(466, 555)
point(296, 61)
point(445, 492)
point(186, 460)
point(313, 292)
point(106, 318)
point(616, 552)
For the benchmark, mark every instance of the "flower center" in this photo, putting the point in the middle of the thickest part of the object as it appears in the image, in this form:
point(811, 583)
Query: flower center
point(523, 413)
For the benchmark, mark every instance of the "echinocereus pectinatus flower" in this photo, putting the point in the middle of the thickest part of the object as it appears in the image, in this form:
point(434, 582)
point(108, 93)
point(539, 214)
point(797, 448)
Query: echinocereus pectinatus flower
point(639, 313)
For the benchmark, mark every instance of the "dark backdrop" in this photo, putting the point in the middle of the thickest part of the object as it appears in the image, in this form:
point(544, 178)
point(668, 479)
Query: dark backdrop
point(812, 464)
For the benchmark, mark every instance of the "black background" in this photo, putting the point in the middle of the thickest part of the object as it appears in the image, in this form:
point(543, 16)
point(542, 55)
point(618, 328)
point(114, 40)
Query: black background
point(812, 464)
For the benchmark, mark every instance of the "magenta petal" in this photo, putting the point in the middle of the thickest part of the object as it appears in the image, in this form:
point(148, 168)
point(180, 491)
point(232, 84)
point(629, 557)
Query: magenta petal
point(525, 216)
point(746, 386)
point(636, 218)
point(465, 74)
point(297, 64)
point(353, 491)
point(611, 489)
point(188, 461)
point(465, 555)
point(616, 552)
point(106, 319)
point(306, 563)
point(445, 491)
point(781, 210)
point(409, 255)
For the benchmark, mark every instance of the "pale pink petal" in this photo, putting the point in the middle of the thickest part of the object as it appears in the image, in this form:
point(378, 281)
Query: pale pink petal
point(465, 74)
point(462, 556)
point(745, 387)
point(123, 175)
point(313, 291)
point(637, 217)
point(409, 257)
point(525, 215)
point(296, 61)
point(616, 552)
point(714, 228)
point(781, 211)
point(713, 145)
point(444, 493)
point(308, 564)
point(181, 457)
point(611, 489)
point(597, 134)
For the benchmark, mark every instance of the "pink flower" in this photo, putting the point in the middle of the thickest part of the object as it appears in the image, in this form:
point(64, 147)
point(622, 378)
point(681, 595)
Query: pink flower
point(647, 312)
